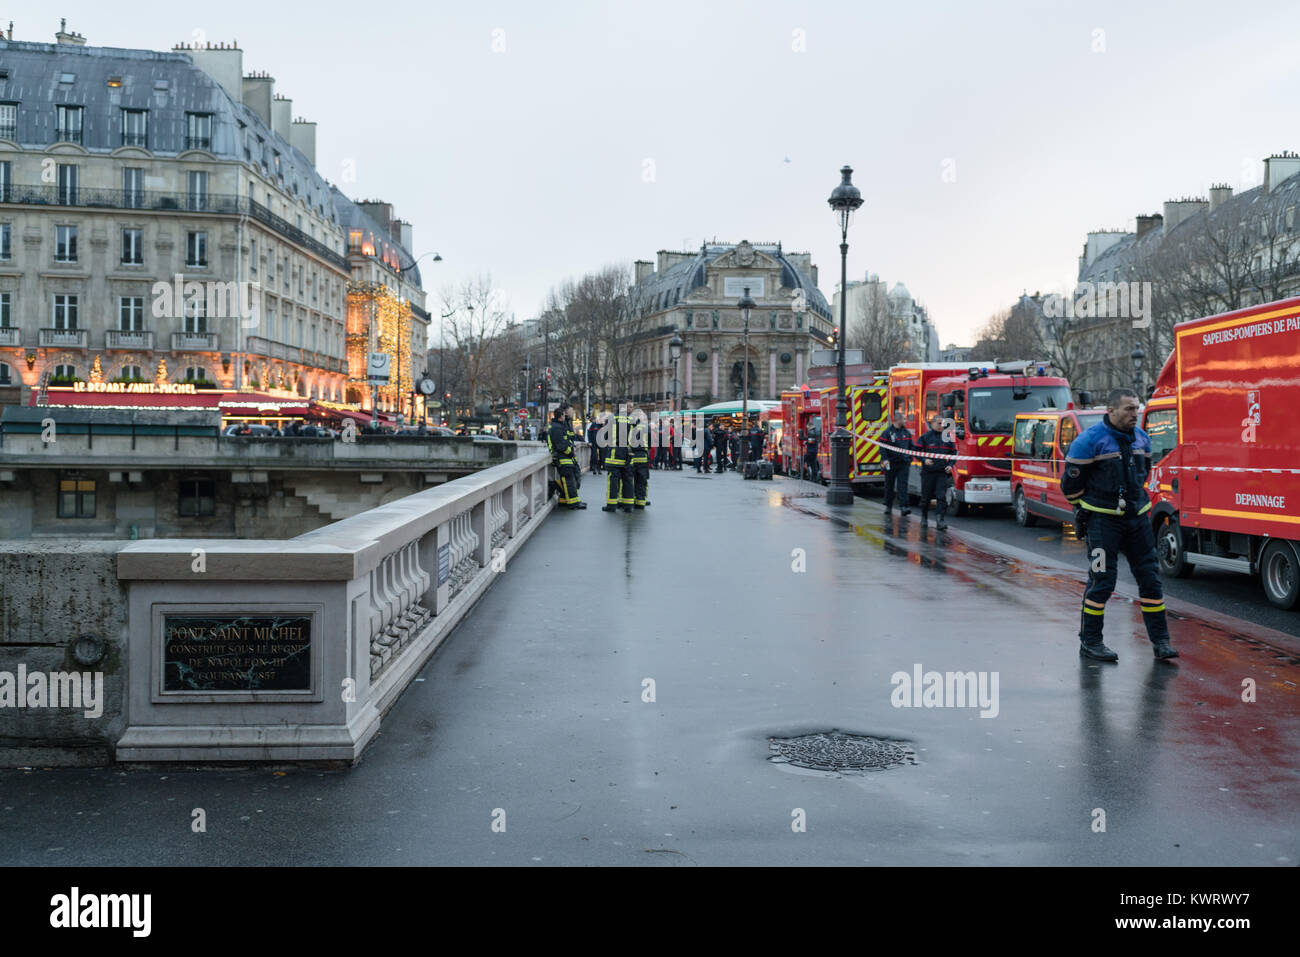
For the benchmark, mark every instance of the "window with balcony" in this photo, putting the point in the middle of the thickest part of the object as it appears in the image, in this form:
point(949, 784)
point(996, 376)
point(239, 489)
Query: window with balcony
point(198, 131)
point(299, 342)
point(65, 311)
point(6, 242)
point(65, 244)
point(133, 187)
point(68, 179)
point(270, 264)
point(130, 313)
point(76, 496)
point(133, 247)
point(8, 121)
point(135, 127)
point(6, 309)
point(67, 124)
point(196, 249)
point(197, 497)
point(197, 193)
point(6, 374)
point(252, 256)
point(270, 323)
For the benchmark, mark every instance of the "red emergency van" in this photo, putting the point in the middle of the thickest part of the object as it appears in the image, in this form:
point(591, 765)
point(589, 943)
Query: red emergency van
point(1039, 445)
point(1225, 435)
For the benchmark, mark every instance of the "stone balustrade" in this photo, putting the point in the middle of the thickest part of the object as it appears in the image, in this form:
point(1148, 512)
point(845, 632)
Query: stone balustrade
point(366, 601)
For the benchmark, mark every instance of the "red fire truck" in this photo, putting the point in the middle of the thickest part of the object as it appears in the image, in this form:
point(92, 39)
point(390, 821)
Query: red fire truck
point(983, 402)
point(1225, 436)
point(812, 407)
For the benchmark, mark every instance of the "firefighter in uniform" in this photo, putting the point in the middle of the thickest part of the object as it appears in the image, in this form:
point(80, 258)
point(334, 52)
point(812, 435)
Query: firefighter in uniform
point(559, 440)
point(897, 465)
point(638, 463)
point(936, 474)
point(1106, 469)
point(619, 490)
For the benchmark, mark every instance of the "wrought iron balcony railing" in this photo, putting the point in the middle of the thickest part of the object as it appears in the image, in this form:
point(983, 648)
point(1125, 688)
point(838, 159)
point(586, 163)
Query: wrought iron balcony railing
point(159, 201)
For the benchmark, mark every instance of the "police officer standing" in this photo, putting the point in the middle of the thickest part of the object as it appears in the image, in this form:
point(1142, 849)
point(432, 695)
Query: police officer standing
point(720, 446)
point(619, 490)
point(897, 465)
point(1105, 476)
point(811, 441)
point(936, 474)
point(559, 440)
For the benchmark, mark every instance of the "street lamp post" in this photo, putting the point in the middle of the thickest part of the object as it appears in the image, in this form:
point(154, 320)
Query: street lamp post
point(675, 353)
point(844, 200)
point(745, 304)
point(1137, 355)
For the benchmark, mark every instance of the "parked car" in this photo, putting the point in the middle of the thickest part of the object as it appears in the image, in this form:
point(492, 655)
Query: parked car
point(254, 430)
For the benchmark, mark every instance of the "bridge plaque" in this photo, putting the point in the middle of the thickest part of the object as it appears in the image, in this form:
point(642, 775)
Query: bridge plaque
point(241, 653)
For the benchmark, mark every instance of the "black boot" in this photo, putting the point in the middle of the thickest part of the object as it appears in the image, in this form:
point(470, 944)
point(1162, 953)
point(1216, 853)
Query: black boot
point(609, 508)
point(1097, 651)
point(941, 524)
point(1165, 650)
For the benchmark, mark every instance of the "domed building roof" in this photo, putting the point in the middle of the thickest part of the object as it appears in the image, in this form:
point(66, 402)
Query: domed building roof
point(899, 292)
point(663, 290)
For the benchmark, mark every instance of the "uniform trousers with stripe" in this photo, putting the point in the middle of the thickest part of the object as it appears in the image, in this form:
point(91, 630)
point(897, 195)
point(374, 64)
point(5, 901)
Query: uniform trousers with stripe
point(619, 490)
point(1109, 536)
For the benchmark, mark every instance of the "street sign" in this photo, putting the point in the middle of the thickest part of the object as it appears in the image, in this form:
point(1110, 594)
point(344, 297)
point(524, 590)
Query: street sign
point(377, 368)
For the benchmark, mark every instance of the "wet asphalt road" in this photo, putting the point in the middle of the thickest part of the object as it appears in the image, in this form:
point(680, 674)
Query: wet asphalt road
point(533, 711)
point(1230, 593)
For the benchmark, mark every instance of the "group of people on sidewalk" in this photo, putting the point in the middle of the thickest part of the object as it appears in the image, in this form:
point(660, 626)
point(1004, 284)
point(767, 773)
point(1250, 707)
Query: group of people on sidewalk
point(718, 448)
point(898, 449)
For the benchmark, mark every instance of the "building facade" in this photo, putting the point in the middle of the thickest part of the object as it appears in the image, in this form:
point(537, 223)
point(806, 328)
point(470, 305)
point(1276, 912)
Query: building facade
point(162, 220)
point(871, 298)
point(385, 306)
point(1199, 256)
point(695, 294)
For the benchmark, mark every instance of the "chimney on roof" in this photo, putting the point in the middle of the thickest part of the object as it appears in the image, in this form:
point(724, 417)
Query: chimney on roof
point(643, 271)
point(281, 116)
point(63, 36)
point(225, 64)
point(1220, 193)
point(1147, 223)
point(1180, 210)
point(256, 92)
point(302, 135)
point(1279, 167)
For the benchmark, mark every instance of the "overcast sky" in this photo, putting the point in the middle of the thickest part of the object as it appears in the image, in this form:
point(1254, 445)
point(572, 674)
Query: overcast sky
point(535, 141)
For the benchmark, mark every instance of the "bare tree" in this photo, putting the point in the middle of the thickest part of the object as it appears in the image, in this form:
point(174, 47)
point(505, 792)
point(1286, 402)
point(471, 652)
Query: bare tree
point(477, 320)
point(880, 335)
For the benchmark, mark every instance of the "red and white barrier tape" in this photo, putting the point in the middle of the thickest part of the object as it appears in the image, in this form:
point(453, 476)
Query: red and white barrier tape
point(1227, 468)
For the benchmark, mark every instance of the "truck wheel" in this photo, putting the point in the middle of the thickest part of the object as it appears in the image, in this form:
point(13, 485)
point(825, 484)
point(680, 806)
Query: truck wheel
point(1024, 518)
point(1169, 549)
point(1279, 570)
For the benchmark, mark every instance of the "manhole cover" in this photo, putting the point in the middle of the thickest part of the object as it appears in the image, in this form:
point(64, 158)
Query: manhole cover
point(839, 751)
